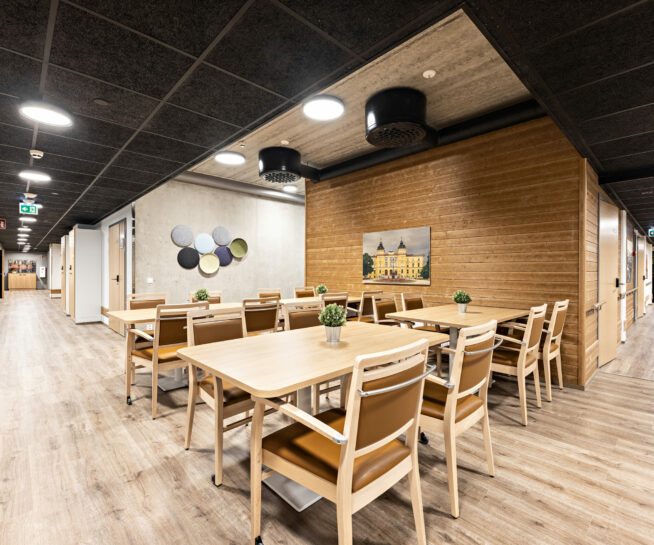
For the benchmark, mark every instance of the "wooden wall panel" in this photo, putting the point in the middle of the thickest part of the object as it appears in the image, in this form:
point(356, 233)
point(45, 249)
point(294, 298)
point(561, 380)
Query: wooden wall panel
point(631, 316)
point(504, 215)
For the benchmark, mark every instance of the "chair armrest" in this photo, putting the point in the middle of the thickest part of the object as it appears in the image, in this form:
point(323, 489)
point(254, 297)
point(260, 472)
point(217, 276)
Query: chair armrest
point(510, 339)
point(140, 333)
point(517, 325)
point(352, 309)
point(444, 349)
point(439, 380)
point(304, 418)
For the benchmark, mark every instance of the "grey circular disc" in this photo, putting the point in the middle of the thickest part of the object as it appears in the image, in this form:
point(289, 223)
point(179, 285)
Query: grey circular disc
point(222, 236)
point(182, 235)
point(188, 258)
point(204, 243)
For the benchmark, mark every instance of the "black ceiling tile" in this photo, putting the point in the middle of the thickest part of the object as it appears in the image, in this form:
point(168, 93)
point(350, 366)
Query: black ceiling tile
point(598, 51)
point(191, 127)
point(159, 146)
point(9, 112)
point(534, 23)
point(630, 162)
point(93, 130)
point(629, 90)
point(14, 155)
point(146, 163)
point(624, 146)
point(190, 28)
point(59, 177)
point(630, 122)
point(15, 136)
point(49, 143)
point(68, 164)
point(24, 25)
point(212, 92)
point(77, 94)
point(109, 186)
point(19, 75)
point(93, 46)
point(283, 55)
point(642, 184)
point(138, 176)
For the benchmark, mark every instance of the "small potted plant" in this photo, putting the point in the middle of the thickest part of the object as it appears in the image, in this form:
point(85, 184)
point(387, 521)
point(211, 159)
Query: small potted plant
point(333, 317)
point(462, 298)
point(201, 295)
point(321, 288)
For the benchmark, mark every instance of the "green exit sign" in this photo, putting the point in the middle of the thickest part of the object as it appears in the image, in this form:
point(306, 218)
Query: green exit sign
point(28, 209)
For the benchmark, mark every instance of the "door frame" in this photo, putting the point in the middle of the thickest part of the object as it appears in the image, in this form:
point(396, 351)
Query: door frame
point(121, 330)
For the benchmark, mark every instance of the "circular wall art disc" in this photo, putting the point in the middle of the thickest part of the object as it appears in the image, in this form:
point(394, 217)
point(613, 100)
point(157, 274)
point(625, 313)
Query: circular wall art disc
point(204, 243)
point(182, 235)
point(188, 258)
point(239, 248)
point(209, 263)
point(222, 236)
point(224, 255)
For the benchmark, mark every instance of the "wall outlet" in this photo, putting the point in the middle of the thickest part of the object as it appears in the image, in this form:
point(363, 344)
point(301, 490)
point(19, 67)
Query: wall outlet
point(149, 280)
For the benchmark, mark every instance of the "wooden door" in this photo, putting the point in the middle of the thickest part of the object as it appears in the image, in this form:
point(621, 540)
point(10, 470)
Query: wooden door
point(609, 279)
point(2, 274)
point(117, 272)
point(71, 274)
point(640, 277)
point(64, 293)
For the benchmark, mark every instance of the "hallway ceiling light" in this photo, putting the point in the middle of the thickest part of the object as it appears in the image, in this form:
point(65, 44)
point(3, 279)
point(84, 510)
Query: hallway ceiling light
point(34, 176)
point(24, 229)
point(230, 158)
point(28, 220)
point(20, 243)
point(290, 189)
point(323, 108)
point(47, 114)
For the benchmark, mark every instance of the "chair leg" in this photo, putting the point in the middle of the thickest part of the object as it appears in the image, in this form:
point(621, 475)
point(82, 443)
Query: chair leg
point(537, 386)
point(523, 397)
point(488, 445)
point(416, 498)
point(344, 520)
point(452, 473)
point(192, 400)
point(155, 383)
point(547, 370)
point(256, 459)
point(219, 416)
point(315, 394)
point(559, 371)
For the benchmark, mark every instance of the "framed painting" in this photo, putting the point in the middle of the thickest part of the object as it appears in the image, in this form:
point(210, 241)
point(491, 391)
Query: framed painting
point(400, 256)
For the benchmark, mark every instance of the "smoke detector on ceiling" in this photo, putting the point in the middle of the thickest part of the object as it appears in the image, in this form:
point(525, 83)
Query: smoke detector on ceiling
point(36, 154)
point(30, 195)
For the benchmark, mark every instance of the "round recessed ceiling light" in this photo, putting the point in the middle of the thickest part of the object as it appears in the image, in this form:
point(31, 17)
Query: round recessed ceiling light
point(428, 74)
point(46, 114)
point(323, 108)
point(284, 142)
point(230, 158)
point(101, 102)
point(20, 243)
point(290, 189)
point(24, 229)
point(28, 220)
point(34, 176)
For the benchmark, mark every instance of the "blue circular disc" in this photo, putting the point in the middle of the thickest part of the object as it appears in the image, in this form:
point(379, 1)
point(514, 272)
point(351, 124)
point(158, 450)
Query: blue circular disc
point(224, 255)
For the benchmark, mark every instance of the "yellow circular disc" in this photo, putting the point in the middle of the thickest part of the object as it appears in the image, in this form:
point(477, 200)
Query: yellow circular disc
point(209, 263)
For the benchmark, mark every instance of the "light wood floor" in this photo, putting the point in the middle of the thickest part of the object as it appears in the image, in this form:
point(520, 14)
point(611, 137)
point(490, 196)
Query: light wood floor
point(78, 466)
point(636, 356)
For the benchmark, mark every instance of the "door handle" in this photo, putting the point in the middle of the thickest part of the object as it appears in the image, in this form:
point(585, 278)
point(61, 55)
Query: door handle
point(117, 279)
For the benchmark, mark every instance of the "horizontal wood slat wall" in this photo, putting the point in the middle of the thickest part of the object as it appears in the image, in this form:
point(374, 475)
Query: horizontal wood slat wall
point(504, 215)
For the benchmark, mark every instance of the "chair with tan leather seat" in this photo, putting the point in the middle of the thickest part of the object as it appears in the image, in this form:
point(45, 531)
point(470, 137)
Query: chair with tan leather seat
point(550, 348)
point(261, 315)
point(381, 306)
point(137, 301)
point(450, 407)
point(351, 457)
point(269, 293)
point(415, 302)
point(340, 298)
point(305, 291)
point(169, 337)
point(223, 398)
point(519, 355)
point(301, 315)
point(365, 312)
point(215, 297)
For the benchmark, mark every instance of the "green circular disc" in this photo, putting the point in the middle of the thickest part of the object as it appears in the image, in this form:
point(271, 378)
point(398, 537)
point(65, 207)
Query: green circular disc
point(239, 248)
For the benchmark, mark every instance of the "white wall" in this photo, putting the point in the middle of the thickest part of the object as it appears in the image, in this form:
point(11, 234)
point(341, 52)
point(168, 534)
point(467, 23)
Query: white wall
point(273, 230)
point(54, 273)
point(123, 213)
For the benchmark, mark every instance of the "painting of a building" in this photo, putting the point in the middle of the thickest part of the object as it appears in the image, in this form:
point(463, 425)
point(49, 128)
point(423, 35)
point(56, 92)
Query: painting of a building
point(399, 257)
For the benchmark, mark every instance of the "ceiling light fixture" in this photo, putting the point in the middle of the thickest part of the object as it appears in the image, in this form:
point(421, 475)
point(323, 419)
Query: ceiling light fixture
point(230, 158)
point(284, 142)
point(27, 220)
point(290, 188)
point(428, 74)
point(47, 114)
point(20, 243)
point(24, 229)
point(323, 108)
point(34, 176)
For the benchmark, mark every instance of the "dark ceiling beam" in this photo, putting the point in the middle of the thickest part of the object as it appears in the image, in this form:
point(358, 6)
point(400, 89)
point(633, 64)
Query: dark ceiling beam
point(627, 176)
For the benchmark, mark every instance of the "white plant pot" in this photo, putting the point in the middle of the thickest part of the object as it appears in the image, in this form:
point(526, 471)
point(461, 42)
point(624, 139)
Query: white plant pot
point(463, 307)
point(333, 334)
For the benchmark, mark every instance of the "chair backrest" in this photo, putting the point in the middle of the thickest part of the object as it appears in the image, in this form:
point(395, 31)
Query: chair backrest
point(306, 291)
point(411, 302)
point(261, 315)
point(382, 306)
point(384, 401)
point(269, 293)
point(210, 326)
point(557, 321)
point(170, 323)
point(301, 315)
point(334, 299)
point(366, 308)
point(532, 334)
point(215, 297)
point(137, 301)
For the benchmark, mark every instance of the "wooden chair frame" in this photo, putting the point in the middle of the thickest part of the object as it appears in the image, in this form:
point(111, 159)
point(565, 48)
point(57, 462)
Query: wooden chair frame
point(133, 362)
point(448, 426)
point(288, 308)
point(522, 370)
point(267, 293)
point(366, 368)
point(305, 289)
point(258, 305)
point(377, 315)
point(547, 354)
point(146, 297)
point(213, 294)
point(372, 294)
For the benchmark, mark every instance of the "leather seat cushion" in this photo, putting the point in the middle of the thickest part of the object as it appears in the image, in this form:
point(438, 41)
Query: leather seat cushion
point(166, 353)
point(553, 347)
point(231, 393)
point(503, 356)
point(433, 403)
point(315, 453)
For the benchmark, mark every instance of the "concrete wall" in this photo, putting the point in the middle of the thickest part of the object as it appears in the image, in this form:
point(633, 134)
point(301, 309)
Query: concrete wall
point(41, 261)
point(54, 272)
point(273, 230)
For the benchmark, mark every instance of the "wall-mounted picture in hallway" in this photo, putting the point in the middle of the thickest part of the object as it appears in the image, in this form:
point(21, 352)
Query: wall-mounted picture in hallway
point(21, 266)
point(400, 256)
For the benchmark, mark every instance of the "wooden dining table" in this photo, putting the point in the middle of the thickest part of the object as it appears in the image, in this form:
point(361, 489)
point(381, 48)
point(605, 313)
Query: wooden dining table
point(278, 364)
